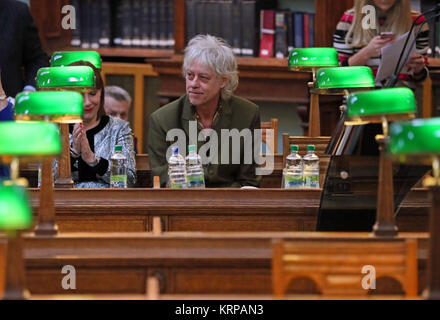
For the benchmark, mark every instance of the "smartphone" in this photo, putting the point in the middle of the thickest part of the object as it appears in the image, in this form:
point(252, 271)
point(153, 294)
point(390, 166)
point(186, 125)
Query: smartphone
point(387, 35)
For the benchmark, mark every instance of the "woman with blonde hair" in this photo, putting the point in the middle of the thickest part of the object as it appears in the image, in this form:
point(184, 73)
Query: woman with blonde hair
point(359, 39)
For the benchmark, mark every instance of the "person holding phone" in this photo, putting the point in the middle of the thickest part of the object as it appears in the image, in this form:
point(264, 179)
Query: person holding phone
point(360, 44)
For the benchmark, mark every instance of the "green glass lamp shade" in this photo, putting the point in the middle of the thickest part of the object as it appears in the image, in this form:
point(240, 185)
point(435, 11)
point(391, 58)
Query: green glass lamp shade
point(344, 78)
point(77, 78)
point(15, 212)
point(65, 58)
point(58, 106)
point(392, 103)
point(29, 139)
point(416, 140)
point(305, 59)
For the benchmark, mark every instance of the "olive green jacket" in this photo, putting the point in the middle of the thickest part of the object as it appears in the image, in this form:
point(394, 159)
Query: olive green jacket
point(236, 113)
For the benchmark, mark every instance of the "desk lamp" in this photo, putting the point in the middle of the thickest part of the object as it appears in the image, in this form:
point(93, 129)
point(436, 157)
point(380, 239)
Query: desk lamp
point(310, 60)
point(381, 106)
point(418, 141)
point(65, 58)
point(28, 141)
point(56, 106)
point(76, 78)
point(341, 81)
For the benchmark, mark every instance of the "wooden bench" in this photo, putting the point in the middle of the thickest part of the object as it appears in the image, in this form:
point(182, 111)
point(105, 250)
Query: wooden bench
point(338, 266)
point(184, 263)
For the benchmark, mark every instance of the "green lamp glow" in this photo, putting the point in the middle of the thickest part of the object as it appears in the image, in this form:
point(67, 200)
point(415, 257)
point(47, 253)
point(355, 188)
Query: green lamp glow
point(65, 58)
point(15, 213)
point(306, 59)
point(55, 106)
point(375, 105)
point(29, 139)
point(417, 140)
point(78, 78)
point(344, 78)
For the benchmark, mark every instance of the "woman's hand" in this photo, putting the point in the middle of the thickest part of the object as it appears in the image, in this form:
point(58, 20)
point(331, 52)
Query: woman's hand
point(370, 51)
point(77, 134)
point(416, 63)
point(86, 153)
point(373, 49)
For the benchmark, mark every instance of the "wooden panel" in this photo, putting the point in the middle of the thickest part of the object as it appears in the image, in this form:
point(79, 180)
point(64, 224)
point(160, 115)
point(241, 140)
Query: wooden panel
point(327, 15)
point(198, 263)
point(90, 223)
point(2, 265)
point(47, 17)
point(179, 25)
point(88, 280)
point(237, 223)
point(221, 280)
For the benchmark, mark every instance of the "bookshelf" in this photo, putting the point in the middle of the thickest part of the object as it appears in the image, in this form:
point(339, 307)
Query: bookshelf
point(47, 14)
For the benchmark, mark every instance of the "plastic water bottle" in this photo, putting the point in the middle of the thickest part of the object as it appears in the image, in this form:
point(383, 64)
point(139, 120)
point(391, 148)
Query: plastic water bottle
point(118, 169)
point(195, 177)
point(311, 168)
point(293, 173)
point(176, 170)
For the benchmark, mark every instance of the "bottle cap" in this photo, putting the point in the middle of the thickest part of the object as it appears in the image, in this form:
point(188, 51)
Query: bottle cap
point(191, 147)
point(311, 147)
point(294, 147)
point(118, 148)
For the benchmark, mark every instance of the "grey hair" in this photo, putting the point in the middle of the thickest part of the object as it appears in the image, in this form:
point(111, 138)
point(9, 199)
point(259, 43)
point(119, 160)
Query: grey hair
point(117, 93)
point(215, 54)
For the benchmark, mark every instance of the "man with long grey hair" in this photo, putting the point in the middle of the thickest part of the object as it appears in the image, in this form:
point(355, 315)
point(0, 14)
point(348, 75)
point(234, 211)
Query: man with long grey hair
point(207, 113)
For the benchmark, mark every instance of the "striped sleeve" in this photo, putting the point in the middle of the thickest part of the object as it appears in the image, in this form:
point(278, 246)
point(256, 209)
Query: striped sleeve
point(344, 51)
point(422, 40)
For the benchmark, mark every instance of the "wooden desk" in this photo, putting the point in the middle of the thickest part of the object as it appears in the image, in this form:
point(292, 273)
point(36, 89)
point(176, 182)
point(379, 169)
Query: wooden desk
point(185, 263)
point(132, 210)
point(183, 210)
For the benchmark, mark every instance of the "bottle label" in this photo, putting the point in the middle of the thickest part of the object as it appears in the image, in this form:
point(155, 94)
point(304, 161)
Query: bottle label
point(177, 186)
point(195, 181)
point(118, 181)
point(311, 181)
point(293, 182)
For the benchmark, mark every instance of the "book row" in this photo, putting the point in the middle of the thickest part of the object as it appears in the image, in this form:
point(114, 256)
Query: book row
point(123, 23)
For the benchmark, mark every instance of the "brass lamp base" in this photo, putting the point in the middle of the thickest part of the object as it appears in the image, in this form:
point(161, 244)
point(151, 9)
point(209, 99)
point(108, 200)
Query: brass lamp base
point(385, 225)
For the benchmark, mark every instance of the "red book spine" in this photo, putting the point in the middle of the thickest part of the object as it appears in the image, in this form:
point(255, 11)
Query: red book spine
point(306, 31)
point(267, 33)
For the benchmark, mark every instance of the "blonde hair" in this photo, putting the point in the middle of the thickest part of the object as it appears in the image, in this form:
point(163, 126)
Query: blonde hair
point(215, 54)
point(398, 21)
